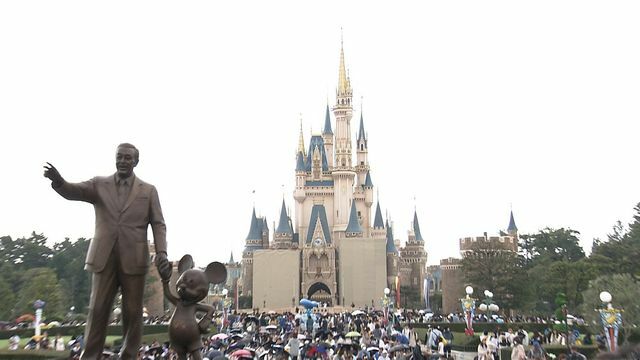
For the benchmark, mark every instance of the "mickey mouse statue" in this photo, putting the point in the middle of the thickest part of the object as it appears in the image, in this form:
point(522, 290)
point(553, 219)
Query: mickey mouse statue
point(192, 286)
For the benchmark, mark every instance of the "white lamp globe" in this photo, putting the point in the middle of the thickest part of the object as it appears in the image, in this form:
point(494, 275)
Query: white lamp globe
point(490, 294)
point(493, 307)
point(468, 290)
point(387, 291)
point(486, 293)
point(605, 297)
point(482, 307)
point(225, 292)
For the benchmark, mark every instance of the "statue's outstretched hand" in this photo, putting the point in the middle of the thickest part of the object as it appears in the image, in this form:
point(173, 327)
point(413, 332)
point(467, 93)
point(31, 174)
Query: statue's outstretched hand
point(163, 265)
point(53, 174)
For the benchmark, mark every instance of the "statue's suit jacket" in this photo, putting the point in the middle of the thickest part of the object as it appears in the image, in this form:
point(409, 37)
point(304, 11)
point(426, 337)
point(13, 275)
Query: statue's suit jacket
point(120, 228)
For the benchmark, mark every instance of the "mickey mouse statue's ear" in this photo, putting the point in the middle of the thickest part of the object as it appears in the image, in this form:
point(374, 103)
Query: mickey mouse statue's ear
point(185, 263)
point(216, 273)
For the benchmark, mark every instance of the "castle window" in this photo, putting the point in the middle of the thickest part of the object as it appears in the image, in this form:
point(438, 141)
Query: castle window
point(361, 162)
point(361, 146)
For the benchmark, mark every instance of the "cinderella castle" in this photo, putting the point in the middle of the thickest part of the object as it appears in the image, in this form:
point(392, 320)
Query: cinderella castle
point(332, 249)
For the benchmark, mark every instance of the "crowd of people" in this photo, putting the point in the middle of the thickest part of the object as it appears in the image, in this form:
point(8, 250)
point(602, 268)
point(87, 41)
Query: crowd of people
point(370, 334)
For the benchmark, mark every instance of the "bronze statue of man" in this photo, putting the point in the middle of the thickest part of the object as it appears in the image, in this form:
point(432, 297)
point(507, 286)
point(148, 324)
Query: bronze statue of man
point(118, 254)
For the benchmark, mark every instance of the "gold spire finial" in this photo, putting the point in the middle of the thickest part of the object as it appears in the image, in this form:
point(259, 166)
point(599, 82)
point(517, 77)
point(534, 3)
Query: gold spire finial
point(301, 139)
point(343, 82)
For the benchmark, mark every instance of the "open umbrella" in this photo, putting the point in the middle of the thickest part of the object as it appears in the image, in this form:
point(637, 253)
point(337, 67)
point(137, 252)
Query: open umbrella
point(399, 347)
point(271, 327)
point(357, 312)
point(401, 338)
point(242, 354)
point(25, 318)
point(220, 336)
point(353, 334)
point(372, 349)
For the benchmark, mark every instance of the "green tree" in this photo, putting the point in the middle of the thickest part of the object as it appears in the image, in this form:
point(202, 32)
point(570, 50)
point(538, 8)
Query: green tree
point(549, 278)
point(620, 254)
point(31, 252)
point(487, 267)
point(555, 245)
point(625, 293)
point(41, 283)
point(68, 262)
point(7, 300)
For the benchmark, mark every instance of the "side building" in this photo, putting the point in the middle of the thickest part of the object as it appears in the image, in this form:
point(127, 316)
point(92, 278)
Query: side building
point(453, 282)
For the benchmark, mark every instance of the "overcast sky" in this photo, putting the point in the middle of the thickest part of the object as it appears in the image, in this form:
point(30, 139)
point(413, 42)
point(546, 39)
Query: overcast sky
point(471, 107)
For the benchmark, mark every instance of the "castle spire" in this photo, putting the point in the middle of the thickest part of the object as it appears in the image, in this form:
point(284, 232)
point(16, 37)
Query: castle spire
point(255, 230)
point(362, 136)
point(301, 148)
point(343, 83)
point(512, 224)
point(378, 223)
point(391, 246)
point(327, 123)
point(416, 227)
point(283, 226)
point(353, 228)
point(231, 259)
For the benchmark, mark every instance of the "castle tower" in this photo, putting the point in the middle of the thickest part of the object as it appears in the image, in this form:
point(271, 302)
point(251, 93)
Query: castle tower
point(392, 258)
point(512, 230)
point(413, 258)
point(283, 235)
point(343, 174)
point(327, 136)
point(362, 167)
point(353, 228)
point(299, 193)
point(254, 241)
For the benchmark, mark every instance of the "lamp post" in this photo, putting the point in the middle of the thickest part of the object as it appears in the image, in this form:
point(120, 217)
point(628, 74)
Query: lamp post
point(611, 320)
point(116, 314)
point(468, 308)
point(226, 304)
point(386, 303)
point(488, 305)
point(38, 305)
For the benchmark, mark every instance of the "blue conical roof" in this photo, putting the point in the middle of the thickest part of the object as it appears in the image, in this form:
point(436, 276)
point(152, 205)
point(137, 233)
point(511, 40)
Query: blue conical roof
point(391, 246)
point(283, 226)
point(300, 162)
point(354, 224)
point(378, 223)
point(327, 123)
point(361, 134)
point(367, 180)
point(416, 227)
point(512, 224)
point(255, 230)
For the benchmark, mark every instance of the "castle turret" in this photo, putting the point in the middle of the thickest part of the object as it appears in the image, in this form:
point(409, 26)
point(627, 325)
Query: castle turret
point(353, 228)
point(392, 258)
point(343, 174)
point(253, 242)
point(299, 193)
point(362, 167)
point(512, 229)
point(413, 257)
point(283, 235)
point(327, 136)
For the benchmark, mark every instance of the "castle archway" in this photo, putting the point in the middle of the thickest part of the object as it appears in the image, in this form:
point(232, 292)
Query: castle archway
point(320, 292)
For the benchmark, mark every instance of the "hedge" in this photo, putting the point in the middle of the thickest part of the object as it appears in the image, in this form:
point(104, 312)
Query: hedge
point(589, 351)
point(480, 327)
point(32, 354)
point(113, 330)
